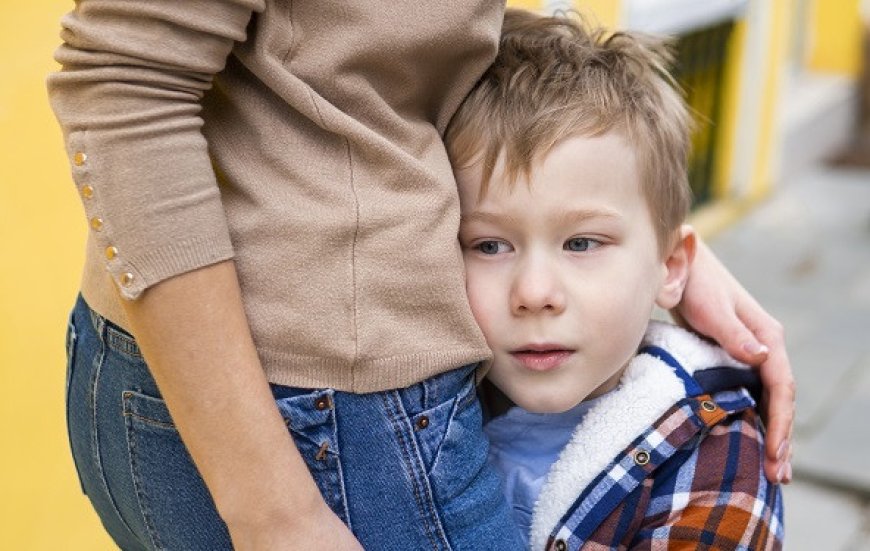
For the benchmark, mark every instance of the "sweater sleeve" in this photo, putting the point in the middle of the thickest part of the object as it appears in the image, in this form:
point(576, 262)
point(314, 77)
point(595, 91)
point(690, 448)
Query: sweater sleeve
point(128, 101)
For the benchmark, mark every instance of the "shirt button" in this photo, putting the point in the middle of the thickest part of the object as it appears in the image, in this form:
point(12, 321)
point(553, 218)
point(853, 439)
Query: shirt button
point(561, 545)
point(126, 279)
point(641, 457)
point(111, 252)
point(87, 191)
point(97, 223)
point(80, 158)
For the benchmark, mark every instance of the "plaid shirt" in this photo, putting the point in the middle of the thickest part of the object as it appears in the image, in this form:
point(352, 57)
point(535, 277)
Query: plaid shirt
point(692, 480)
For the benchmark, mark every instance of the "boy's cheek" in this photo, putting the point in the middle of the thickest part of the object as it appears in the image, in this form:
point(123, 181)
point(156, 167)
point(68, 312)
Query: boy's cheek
point(483, 298)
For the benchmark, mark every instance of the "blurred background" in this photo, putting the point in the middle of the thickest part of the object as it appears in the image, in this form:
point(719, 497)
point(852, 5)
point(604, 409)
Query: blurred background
point(781, 174)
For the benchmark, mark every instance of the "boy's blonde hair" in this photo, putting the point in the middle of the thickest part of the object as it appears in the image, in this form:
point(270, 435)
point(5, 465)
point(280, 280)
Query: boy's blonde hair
point(556, 78)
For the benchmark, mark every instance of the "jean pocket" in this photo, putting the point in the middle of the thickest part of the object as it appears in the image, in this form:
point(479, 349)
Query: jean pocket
point(176, 508)
point(433, 425)
point(462, 451)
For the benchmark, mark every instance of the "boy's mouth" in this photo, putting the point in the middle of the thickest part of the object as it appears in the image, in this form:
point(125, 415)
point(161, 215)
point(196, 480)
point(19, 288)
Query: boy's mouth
point(542, 357)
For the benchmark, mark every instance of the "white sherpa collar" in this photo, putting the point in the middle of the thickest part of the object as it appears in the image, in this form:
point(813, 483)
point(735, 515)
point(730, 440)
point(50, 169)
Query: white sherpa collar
point(691, 351)
point(647, 389)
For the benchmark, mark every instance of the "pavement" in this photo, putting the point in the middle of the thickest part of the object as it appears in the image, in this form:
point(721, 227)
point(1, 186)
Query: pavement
point(805, 255)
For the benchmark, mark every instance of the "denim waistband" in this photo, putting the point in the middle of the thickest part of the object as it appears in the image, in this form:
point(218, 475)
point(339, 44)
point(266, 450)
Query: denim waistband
point(115, 337)
point(422, 395)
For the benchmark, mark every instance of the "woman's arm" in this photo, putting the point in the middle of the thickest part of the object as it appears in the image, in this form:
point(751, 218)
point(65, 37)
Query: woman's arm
point(194, 335)
point(128, 102)
point(716, 305)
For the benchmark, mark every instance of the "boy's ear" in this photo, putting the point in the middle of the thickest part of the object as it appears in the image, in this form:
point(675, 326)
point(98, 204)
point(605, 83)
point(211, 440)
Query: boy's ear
point(677, 263)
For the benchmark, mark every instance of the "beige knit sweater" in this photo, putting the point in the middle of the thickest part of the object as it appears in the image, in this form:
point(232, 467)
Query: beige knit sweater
point(302, 139)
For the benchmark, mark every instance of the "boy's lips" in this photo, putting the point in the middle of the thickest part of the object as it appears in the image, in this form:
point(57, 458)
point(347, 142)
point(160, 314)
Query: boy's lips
point(542, 357)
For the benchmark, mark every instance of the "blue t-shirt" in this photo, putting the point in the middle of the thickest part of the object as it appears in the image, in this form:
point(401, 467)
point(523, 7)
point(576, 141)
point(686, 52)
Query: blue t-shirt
point(523, 446)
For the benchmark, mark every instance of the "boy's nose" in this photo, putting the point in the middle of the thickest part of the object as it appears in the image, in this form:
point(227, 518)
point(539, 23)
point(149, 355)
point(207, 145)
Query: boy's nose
point(537, 290)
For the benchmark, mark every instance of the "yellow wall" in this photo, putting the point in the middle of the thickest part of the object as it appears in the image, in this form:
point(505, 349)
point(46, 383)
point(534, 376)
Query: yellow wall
point(771, 93)
point(834, 43)
point(726, 133)
point(526, 4)
point(41, 238)
point(605, 12)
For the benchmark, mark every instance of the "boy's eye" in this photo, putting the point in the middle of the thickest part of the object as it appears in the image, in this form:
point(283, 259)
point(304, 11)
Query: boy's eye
point(492, 246)
point(581, 244)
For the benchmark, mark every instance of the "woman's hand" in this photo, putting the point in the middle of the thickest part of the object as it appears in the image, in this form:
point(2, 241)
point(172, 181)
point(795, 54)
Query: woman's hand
point(716, 305)
point(319, 529)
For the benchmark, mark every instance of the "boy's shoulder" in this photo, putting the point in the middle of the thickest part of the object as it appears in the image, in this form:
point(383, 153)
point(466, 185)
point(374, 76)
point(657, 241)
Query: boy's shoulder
point(712, 489)
point(686, 437)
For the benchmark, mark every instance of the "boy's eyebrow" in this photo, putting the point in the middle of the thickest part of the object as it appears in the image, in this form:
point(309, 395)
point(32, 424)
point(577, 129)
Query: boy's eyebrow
point(565, 217)
point(581, 215)
point(487, 217)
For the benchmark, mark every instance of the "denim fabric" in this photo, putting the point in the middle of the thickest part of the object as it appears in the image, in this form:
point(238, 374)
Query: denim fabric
point(405, 469)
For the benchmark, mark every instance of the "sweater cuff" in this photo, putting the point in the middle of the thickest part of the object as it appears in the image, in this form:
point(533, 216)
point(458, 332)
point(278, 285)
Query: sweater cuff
point(138, 272)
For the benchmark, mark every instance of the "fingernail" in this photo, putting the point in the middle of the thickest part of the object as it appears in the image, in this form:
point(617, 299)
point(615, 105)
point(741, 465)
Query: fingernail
point(755, 348)
point(780, 472)
point(780, 452)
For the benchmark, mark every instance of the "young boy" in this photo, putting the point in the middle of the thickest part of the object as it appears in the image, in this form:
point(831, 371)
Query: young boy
point(570, 156)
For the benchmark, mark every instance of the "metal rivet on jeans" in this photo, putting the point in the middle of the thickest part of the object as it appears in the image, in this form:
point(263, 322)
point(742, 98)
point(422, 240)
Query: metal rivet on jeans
point(321, 453)
point(322, 403)
point(422, 422)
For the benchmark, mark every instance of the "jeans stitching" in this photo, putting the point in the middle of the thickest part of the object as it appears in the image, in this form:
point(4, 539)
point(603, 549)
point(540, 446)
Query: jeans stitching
point(122, 343)
point(148, 421)
point(396, 422)
point(137, 484)
point(71, 338)
point(99, 326)
point(420, 483)
point(339, 468)
point(454, 411)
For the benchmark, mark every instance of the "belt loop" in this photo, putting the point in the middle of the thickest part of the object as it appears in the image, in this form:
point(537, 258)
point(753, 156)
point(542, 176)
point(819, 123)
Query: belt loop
point(99, 323)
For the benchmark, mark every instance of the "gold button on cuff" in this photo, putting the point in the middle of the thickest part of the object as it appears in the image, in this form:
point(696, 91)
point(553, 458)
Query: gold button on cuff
point(80, 158)
point(641, 457)
point(708, 405)
point(111, 252)
point(87, 191)
point(96, 223)
point(126, 279)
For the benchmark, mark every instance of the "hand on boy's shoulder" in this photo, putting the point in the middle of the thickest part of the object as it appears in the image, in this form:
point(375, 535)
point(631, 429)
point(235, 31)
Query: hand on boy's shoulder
point(716, 305)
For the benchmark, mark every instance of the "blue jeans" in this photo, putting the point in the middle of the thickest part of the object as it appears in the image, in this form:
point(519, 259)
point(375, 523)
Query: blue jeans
point(404, 469)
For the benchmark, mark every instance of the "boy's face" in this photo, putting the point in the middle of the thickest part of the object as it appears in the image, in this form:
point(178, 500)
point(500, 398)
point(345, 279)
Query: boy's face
point(562, 274)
